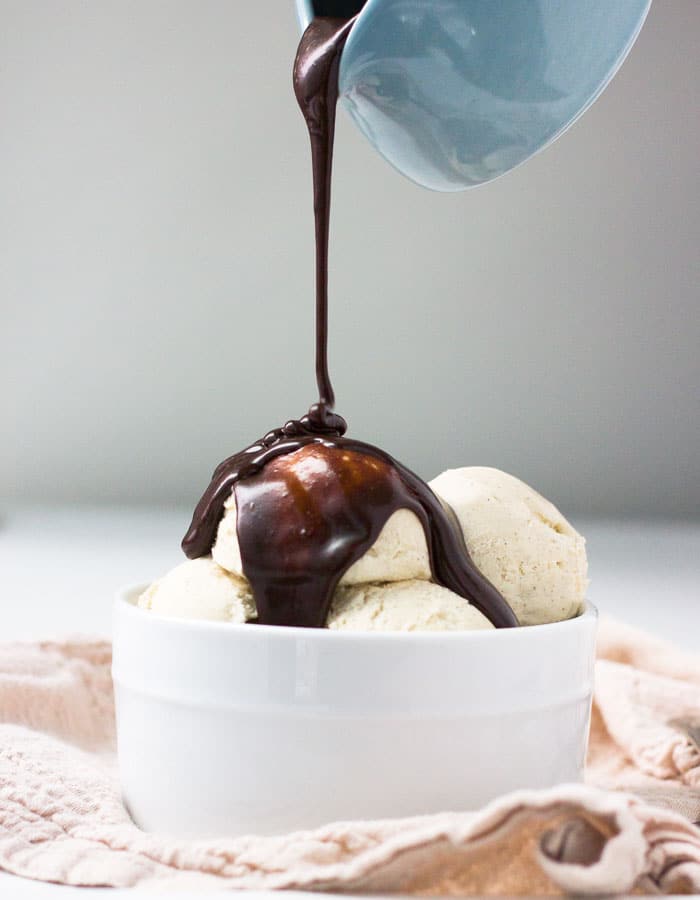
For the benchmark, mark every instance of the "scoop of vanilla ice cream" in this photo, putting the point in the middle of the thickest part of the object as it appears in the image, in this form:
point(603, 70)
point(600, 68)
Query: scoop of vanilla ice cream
point(402, 606)
point(519, 541)
point(200, 589)
point(400, 553)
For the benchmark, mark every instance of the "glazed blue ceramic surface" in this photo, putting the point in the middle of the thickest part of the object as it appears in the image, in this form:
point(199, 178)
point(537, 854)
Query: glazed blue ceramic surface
point(455, 93)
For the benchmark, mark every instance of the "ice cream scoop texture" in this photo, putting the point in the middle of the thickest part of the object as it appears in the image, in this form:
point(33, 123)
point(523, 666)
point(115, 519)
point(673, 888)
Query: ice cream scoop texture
point(518, 539)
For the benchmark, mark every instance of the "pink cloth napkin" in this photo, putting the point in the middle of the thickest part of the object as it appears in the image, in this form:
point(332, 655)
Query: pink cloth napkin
point(628, 830)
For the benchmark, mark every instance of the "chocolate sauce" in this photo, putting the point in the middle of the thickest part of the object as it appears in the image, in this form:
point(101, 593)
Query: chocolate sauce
point(316, 88)
point(310, 502)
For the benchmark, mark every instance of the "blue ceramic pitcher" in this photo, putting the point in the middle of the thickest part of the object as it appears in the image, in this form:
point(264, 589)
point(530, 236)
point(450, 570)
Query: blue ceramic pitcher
point(455, 93)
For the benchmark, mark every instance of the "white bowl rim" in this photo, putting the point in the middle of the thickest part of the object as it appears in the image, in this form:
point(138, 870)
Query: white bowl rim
point(125, 605)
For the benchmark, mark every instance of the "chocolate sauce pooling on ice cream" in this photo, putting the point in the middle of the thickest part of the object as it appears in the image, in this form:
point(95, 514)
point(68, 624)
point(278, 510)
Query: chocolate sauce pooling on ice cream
point(310, 501)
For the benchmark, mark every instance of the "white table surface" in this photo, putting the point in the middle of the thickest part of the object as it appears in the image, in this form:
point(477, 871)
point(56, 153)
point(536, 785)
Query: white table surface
point(59, 568)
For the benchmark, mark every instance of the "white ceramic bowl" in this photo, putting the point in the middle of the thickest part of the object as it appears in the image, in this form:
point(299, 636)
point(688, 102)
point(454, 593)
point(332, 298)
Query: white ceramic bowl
point(229, 729)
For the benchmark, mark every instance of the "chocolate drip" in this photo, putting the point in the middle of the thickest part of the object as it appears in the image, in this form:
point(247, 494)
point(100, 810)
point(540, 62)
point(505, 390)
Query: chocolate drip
point(310, 502)
point(316, 87)
point(309, 506)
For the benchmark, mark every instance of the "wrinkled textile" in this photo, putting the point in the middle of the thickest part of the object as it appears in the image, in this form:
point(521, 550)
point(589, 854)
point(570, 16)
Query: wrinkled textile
point(629, 830)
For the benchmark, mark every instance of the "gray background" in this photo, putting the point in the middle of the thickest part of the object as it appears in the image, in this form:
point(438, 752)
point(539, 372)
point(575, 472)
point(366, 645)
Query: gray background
point(156, 270)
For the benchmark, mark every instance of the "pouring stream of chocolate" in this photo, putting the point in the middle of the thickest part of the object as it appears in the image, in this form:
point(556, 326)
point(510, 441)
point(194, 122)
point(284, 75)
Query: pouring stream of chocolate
point(309, 501)
point(316, 88)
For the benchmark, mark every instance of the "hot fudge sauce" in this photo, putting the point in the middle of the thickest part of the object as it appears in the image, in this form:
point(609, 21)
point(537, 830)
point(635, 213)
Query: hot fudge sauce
point(310, 501)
